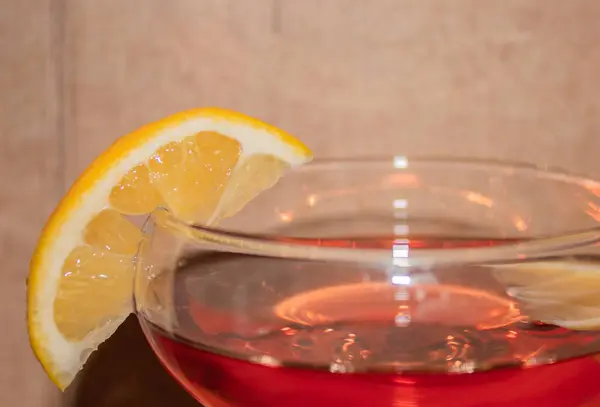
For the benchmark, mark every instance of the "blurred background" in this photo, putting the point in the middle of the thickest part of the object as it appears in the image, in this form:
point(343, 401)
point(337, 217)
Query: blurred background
point(511, 79)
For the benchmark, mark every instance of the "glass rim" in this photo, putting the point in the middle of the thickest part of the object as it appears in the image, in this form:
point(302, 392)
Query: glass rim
point(300, 248)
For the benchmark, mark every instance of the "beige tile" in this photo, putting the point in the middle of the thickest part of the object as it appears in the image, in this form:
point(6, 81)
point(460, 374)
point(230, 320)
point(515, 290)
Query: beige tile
point(512, 80)
point(30, 168)
point(505, 80)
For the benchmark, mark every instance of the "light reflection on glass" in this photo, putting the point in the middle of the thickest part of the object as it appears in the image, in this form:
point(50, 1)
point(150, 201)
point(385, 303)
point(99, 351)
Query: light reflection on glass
point(477, 198)
point(520, 223)
point(401, 280)
point(401, 248)
point(401, 230)
point(311, 200)
point(286, 216)
point(400, 203)
point(400, 162)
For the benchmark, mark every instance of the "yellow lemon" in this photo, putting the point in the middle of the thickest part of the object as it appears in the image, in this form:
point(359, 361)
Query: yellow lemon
point(202, 164)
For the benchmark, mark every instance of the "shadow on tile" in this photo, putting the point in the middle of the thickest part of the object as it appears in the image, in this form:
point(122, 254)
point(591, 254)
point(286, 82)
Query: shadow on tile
point(123, 373)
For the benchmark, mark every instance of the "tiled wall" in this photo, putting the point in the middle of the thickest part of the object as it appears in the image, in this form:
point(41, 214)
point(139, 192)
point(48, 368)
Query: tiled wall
point(30, 179)
point(508, 79)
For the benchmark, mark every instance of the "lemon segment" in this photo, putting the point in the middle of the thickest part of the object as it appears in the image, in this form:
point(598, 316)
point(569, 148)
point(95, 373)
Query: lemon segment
point(134, 195)
point(91, 271)
point(191, 175)
point(256, 174)
point(110, 231)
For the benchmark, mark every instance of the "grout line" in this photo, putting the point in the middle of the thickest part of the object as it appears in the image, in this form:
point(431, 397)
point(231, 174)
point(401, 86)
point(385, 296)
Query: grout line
point(273, 98)
point(276, 23)
point(58, 55)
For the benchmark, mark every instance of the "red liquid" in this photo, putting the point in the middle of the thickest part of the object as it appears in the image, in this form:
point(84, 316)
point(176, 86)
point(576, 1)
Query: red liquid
point(219, 381)
point(290, 324)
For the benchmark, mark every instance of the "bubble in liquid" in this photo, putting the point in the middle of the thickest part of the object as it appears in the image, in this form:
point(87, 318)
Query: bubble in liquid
point(266, 360)
point(338, 367)
point(402, 319)
point(462, 367)
point(349, 354)
point(303, 342)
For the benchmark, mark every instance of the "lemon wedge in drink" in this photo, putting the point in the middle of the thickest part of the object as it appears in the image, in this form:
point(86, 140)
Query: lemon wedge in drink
point(203, 165)
point(562, 293)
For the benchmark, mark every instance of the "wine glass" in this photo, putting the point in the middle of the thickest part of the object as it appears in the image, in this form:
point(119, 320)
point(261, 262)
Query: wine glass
point(386, 282)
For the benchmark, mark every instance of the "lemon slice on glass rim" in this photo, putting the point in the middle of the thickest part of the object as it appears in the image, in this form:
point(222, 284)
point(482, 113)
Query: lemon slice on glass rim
point(202, 164)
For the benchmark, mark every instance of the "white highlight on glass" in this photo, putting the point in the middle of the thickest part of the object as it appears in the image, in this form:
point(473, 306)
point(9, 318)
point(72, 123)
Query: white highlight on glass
point(400, 203)
point(400, 161)
point(401, 230)
point(401, 248)
point(401, 280)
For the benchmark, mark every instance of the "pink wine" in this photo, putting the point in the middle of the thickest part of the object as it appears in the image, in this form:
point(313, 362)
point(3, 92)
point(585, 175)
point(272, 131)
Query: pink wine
point(247, 331)
point(224, 381)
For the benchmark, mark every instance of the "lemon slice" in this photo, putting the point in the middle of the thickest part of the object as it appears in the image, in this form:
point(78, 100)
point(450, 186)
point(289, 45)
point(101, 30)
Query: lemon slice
point(564, 293)
point(203, 165)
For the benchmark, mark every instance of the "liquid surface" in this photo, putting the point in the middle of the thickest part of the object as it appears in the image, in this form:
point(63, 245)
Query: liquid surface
point(247, 331)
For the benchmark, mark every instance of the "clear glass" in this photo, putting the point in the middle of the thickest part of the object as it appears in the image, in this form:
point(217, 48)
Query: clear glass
point(387, 282)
